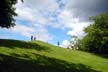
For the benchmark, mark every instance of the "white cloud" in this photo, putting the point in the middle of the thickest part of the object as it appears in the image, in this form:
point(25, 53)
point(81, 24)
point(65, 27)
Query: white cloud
point(30, 11)
point(77, 29)
point(40, 33)
point(42, 4)
point(25, 12)
point(23, 30)
point(65, 43)
point(73, 23)
point(69, 18)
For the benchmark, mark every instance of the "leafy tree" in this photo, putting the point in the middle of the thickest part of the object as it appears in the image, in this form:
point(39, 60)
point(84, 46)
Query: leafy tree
point(7, 12)
point(96, 40)
point(73, 42)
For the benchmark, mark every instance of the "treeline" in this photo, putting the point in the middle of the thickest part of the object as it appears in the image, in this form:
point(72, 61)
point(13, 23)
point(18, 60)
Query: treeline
point(96, 39)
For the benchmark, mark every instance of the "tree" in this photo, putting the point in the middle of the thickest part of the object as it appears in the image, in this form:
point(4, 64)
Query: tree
point(7, 12)
point(96, 40)
point(73, 42)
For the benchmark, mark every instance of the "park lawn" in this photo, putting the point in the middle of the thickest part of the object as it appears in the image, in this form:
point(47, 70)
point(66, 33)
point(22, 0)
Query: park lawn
point(38, 56)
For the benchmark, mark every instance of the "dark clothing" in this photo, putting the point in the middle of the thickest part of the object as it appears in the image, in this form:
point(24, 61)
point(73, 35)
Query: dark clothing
point(58, 43)
point(31, 37)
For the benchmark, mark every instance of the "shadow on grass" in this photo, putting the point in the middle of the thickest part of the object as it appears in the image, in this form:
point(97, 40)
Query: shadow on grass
point(41, 64)
point(22, 44)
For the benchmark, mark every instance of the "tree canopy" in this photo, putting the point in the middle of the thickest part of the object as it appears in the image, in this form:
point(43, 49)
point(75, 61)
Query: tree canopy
point(7, 12)
point(96, 40)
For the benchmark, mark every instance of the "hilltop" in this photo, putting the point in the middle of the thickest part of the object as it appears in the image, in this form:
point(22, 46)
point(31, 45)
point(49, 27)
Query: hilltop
point(38, 56)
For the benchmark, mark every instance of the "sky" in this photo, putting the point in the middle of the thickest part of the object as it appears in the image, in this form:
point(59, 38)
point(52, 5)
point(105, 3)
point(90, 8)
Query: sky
point(53, 20)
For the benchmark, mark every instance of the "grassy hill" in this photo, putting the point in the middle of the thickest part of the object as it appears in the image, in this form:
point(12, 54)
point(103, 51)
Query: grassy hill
point(37, 56)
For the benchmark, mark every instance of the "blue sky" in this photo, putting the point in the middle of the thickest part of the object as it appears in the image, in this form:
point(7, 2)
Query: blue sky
point(53, 20)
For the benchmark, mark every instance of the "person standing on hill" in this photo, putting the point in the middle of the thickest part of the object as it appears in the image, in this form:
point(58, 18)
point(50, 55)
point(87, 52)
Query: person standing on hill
point(34, 38)
point(58, 43)
point(31, 37)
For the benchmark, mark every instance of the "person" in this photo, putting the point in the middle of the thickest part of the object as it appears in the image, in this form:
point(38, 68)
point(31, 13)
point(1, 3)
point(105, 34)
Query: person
point(58, 43)
point(31, 37)
point(34, 38)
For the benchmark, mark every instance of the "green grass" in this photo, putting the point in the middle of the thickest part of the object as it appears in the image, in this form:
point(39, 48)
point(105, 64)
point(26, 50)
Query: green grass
point(37, 56)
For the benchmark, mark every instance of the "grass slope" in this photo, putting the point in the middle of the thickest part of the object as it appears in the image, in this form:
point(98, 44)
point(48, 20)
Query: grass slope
point(37, 56)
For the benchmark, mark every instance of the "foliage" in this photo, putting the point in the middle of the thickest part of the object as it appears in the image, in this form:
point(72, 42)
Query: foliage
point(73, 42)
point(7, 13)
point(37, 56)
point(96, 40)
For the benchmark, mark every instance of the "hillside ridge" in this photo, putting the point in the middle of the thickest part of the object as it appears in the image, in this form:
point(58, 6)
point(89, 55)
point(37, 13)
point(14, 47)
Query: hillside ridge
point(38, 56)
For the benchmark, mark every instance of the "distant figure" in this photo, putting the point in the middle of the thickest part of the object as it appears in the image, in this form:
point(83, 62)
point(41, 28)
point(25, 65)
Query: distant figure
point(58, 43)
point(34, 38)
point(31, 37)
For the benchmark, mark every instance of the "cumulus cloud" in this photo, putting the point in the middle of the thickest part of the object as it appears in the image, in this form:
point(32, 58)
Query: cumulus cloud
point(40, 4)
point(24, 30)
point(40, 33)
point(77, 29)
point(40, 16)
point(86, 8)
point(70, 15)
point(30, 20)
point(30, 12)
point(76, 14)
point(65, 44)
point(72, 23)
point(25, 12)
